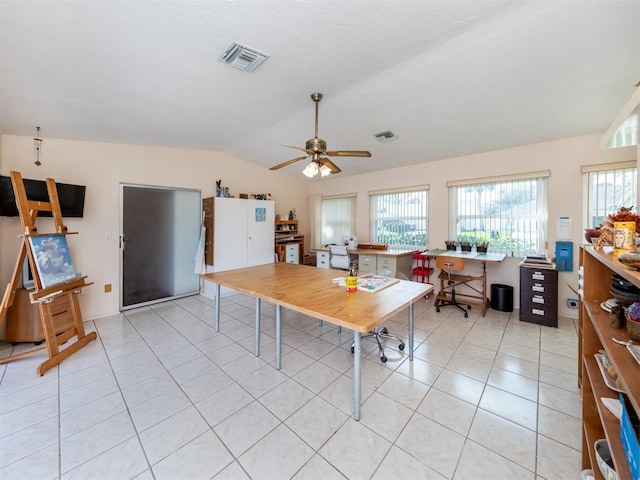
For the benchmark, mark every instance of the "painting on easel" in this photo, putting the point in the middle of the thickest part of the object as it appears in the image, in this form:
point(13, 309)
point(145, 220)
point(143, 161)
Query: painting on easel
point(53, 261)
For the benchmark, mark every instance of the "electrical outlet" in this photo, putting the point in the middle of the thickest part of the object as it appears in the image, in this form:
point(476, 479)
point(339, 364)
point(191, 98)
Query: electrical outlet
point(107, 287)
point(572, 303)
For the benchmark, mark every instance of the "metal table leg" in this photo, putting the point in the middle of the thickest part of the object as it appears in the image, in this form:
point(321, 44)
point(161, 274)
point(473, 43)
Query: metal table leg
point(278, 335)
point(257, 327)
point(217, 323)
point(356, 375)
point(411, 332)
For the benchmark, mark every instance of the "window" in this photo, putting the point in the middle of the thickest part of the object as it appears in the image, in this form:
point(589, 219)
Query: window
point(399, 217)
point(338, 218)
point(607, 188)
point(509, 212)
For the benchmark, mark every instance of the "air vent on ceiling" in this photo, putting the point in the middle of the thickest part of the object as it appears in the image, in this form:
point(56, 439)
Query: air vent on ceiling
point(243, 57)
point(386, 136)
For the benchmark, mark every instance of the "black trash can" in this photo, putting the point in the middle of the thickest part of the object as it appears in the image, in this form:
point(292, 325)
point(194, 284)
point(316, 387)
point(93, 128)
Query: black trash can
point(502, 297)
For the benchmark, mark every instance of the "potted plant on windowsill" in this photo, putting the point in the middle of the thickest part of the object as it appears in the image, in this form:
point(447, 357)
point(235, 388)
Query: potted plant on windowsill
point(451, 245)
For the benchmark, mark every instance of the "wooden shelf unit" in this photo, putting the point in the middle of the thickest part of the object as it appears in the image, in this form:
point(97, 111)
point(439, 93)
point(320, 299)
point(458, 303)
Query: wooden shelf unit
point(287, 233)
point(595, 334)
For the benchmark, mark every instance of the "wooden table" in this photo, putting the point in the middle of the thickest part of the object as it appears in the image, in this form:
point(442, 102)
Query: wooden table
point(478, 296)
point(308, 290)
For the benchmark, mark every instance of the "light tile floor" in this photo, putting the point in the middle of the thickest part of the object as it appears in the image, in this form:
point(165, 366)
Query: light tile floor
point(161, 395)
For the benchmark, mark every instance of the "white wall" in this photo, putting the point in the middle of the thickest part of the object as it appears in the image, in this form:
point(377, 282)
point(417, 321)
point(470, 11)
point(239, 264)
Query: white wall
point(102, 167)
point(563, 158)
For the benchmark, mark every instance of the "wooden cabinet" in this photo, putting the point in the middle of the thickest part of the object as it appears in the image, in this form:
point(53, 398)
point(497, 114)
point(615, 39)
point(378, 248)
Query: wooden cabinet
point(23, 318)
point(539, 296)
point(286, 234)
point(596, 335)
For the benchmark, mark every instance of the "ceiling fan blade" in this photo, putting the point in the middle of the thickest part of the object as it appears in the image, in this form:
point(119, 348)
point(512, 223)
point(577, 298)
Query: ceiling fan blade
point(310, 152)
point(288, 162)
point(348, 153)
point(334, 168)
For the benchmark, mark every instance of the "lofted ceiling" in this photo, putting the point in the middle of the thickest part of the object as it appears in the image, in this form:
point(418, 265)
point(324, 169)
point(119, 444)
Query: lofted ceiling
point(448, 77)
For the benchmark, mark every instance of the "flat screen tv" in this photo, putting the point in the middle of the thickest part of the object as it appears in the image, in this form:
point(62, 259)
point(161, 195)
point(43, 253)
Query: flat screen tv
point(71, 197)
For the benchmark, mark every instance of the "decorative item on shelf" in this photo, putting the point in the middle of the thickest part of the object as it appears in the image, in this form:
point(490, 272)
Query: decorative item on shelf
point(624, 214)
point(226, 192)
point(633, 321)
point(482, 247)
point(591, 235)
point(623, 236)
point(451, 245)
point(630, 259)
point(292, 214)
point(219, 191)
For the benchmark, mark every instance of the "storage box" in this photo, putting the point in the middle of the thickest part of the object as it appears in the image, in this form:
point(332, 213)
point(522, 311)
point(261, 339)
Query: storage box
point(629, 432)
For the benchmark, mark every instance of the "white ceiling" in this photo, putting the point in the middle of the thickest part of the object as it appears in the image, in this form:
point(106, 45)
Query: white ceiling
point(448, 77)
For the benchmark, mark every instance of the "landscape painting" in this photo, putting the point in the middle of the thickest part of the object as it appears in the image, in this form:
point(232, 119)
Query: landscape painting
point(53, 261)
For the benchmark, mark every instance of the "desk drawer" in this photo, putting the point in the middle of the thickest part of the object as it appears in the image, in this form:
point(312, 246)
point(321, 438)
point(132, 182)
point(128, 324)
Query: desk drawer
point(366, 264)
point(386, 263)
point(538, 276)
point(293, 253)
point(322, 259)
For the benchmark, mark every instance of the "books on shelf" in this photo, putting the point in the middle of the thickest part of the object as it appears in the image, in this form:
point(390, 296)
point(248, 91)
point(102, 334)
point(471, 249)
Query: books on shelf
point(537, 261)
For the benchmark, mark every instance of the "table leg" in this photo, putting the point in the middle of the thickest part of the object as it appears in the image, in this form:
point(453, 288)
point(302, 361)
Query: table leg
point(278, 335)
point(411, 332)
point(356, 375)
point(485, 301)
point(217, 323)
point(257, 327)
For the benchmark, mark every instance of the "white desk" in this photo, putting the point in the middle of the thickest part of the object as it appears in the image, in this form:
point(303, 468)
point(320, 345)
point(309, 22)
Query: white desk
point(476, 295)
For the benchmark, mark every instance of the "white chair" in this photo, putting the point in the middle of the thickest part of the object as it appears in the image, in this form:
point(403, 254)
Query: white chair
point(340, 257)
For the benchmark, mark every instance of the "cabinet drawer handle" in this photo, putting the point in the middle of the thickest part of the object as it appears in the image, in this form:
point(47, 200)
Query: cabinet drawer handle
point(537, 276)
point(537, 299)
point(537, 288)
point(537, 311)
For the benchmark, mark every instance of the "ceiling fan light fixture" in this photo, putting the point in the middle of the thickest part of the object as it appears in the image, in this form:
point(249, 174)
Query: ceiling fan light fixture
point(324, 170)
point(311, 170)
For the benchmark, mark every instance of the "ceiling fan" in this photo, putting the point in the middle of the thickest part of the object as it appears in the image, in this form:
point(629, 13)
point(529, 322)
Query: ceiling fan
point(316, 148)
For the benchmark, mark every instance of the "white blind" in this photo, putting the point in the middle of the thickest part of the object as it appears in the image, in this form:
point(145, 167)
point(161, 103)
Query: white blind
point(608, 187)
point(399, 219)
point(509, 214)
point(338, 219)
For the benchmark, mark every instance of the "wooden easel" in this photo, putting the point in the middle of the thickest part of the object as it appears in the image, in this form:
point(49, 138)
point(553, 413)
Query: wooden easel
point(45, 297)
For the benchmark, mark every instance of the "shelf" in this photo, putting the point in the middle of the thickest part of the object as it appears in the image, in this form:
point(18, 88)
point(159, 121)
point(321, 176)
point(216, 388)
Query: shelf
point(596, 335)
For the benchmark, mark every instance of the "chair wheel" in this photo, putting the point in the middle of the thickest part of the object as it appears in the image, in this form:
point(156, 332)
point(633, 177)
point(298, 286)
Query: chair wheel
point(468, 307)
point(437, 309)
point(466, 315)
point(353, 349)
point(384, 330)
point(401, 346)
point(383, 358)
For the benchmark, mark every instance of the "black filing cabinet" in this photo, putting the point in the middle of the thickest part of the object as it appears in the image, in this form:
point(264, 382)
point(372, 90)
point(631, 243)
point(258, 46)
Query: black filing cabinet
point(539, 296)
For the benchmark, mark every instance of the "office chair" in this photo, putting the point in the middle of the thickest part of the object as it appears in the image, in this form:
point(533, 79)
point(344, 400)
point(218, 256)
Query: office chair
point(448, 281)
point(378, 333)
point(340, 257)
